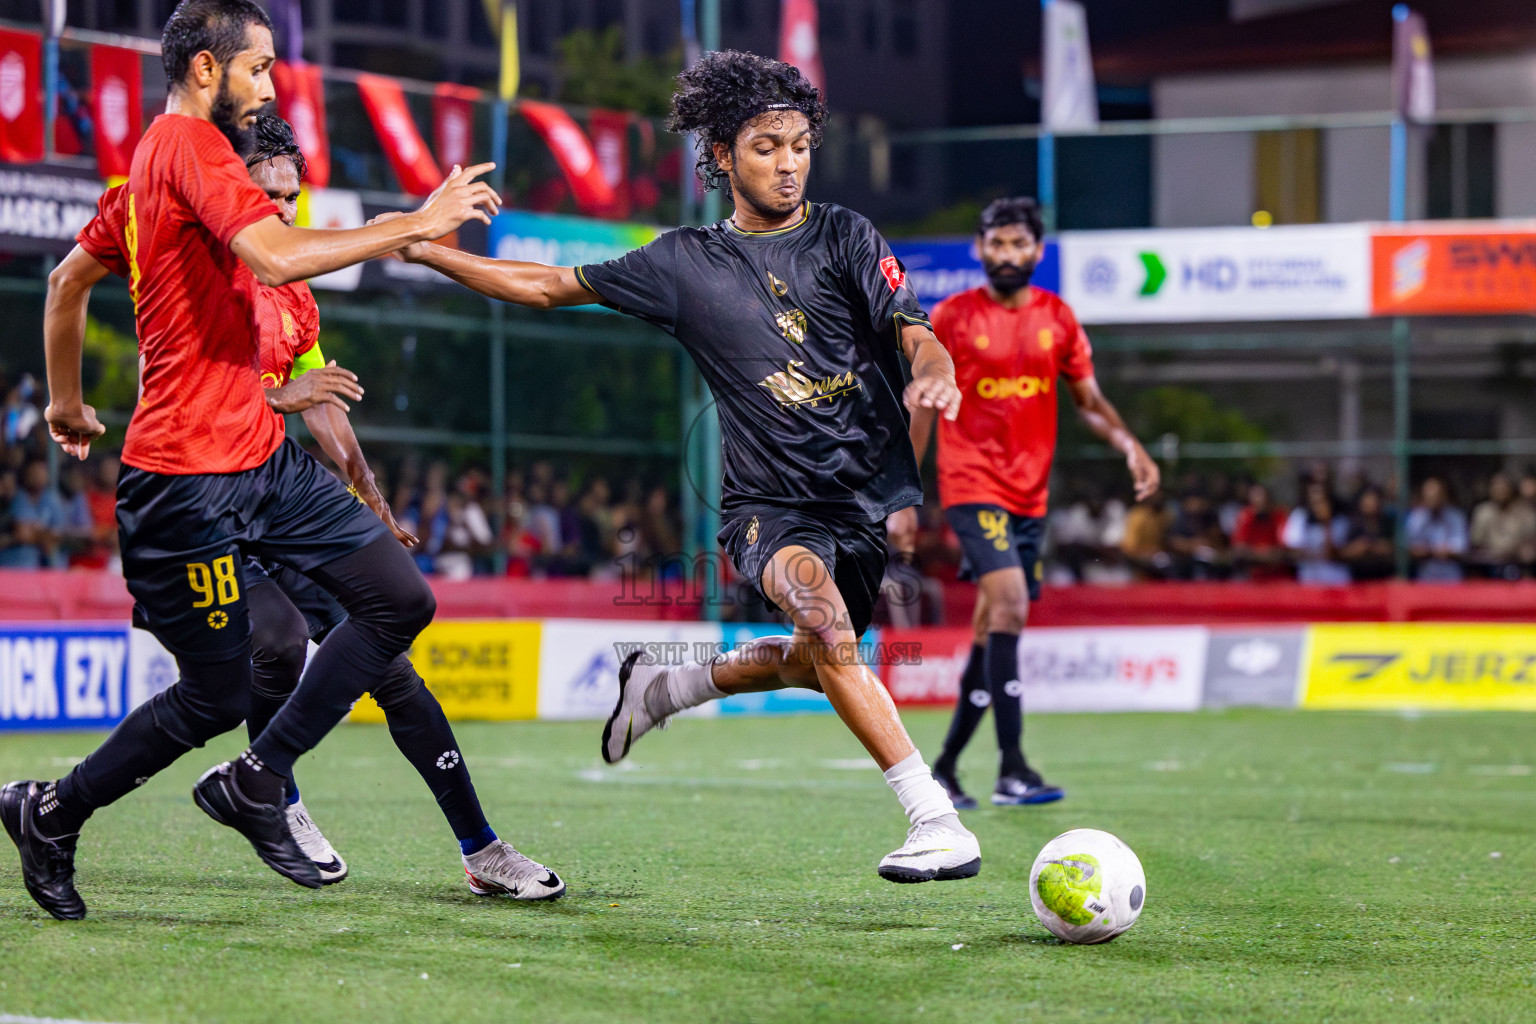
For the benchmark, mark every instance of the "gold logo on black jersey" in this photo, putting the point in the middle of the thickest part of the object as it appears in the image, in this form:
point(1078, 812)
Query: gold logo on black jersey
point(752, 531)
point(793, 389)
point(779, 288)
point(793, 324)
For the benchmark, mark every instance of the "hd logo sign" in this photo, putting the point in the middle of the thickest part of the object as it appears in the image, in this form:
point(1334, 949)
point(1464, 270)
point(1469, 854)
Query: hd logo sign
point(480, 671)
point(1422, 666)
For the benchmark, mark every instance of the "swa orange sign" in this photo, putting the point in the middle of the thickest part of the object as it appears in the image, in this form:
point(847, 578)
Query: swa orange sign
point(1448, 273)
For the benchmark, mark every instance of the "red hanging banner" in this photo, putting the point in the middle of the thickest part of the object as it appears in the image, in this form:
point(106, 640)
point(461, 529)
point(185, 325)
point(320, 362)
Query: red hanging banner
point(573, 153)
point(21, 98)
point(117, 99)
point(798, 40)
point(453, 123)
point(402, 143)
point(609, 130)
point(301, 101)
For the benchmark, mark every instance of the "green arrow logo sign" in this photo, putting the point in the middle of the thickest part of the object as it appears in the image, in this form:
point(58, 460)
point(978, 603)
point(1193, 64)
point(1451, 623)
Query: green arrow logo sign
point(1156, 273)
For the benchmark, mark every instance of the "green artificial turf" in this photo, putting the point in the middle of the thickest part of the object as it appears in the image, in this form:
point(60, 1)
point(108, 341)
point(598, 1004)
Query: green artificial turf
point(1301, 866)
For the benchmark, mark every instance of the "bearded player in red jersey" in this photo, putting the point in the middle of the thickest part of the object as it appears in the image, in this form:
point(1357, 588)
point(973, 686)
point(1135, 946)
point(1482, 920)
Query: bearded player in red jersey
point(207, 475)
point(287, 609)
point(1011, 343)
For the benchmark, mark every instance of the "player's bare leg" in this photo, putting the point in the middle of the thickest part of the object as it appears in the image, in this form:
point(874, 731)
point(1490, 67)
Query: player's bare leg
point(822, 654)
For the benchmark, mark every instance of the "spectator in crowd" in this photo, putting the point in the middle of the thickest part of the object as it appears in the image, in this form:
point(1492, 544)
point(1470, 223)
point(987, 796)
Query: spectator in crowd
point(1316, 533)
point(1195, 541)
point(1527, 488)
point(40, 520)
point(543, 523)
point(1145, 544)
point(1503, 534)
point(1085, 538)
point(8, 538)
point(466, 536)
point(594, 529)
point(1256, 545)
point(1371, 539)
point(21, 414)
point(1437, 535)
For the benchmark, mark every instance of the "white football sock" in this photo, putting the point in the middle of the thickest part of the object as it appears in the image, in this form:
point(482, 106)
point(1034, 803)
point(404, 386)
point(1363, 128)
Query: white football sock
point(691, 685)
point(920, 794)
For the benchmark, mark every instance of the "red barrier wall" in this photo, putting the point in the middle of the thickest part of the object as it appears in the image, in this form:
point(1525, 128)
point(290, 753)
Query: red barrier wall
point(83, 595)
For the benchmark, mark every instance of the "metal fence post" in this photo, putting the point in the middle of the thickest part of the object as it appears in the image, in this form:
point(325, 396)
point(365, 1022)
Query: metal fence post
point(1402, 343)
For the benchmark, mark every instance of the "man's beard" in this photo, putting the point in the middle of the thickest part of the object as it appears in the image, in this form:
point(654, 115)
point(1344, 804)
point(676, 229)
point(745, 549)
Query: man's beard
point(768, 204)
point(226, 117)
point(1008, 278)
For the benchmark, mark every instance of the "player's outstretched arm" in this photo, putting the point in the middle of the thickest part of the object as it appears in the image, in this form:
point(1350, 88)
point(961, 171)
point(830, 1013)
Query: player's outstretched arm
point(278, 254)
point(524, 284)
point(1104, 420)
point(71, 422)
point(334, 431)
point(932, 390)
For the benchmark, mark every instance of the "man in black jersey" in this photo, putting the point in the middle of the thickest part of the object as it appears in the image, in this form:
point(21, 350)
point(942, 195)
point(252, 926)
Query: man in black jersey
point(797, 315)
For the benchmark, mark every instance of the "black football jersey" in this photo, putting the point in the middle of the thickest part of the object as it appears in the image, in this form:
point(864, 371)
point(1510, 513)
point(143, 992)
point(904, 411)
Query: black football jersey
point(797, 332)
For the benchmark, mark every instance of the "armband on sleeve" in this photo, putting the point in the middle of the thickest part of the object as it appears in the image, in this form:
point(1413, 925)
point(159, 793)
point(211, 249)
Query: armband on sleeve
point(309, 359)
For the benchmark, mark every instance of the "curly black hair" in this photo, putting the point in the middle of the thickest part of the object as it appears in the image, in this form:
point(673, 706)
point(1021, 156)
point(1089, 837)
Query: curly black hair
point(272, 137)
point(724, 90)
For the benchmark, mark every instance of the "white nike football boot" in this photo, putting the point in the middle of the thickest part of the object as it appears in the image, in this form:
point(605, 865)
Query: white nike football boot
point(643, 705)
point(314, 844)
point(499, 870)
point(934, 851)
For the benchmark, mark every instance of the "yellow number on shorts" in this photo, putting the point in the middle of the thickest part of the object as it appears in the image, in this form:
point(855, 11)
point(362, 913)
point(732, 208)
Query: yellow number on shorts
point(224, 575)
point(202, 583)
point(218, 584)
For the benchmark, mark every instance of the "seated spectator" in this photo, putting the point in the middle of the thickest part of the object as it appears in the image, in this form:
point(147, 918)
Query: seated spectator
point(466, 536)
point(101, 498)
point(1256, 544)
point(1371, 538)
point(1145, 544)
point(1195, 541)
point(543, 523)
point(7, 518)
point(1437, 535)
point(1316, 533)
point(1503, 534)
point(77, 539)
point(1085, 537)
point(40, 520)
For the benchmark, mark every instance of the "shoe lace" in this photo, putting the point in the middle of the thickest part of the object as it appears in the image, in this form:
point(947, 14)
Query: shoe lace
point(504, 860)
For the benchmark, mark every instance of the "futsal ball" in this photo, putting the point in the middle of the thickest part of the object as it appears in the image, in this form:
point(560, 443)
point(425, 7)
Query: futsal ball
point(1087, 886)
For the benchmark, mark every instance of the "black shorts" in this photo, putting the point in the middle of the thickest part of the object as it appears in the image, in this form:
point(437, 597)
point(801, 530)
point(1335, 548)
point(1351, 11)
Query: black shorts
point(322, 612)
point(185, 540)
point(854, 553)
point(994, 538)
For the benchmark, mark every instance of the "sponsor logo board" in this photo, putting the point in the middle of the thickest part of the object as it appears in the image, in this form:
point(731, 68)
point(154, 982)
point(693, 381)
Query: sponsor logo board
point(1253, 667)
point(1421, 665)
point(68, 676)
point(939, 267)
point(579, 660)
point(1311, 272)
point(1442, 272)
point(483, 671)
point(1153, 668)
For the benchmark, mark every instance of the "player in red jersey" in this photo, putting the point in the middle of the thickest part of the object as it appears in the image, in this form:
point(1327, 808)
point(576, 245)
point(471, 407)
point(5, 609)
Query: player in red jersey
point(1012, 344)
point(287, 609)
point(207, 475)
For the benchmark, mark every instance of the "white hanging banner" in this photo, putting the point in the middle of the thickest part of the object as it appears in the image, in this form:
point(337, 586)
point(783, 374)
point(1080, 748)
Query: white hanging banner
point(1071, 101)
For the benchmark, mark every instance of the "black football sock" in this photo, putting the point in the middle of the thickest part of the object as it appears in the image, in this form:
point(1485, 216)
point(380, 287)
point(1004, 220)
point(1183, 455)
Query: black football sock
point(279, 644)
point(1007, 701)
point(209, 699)
point(388, 603)
point(970, 706)
point(421, 731)
point(259, 782)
